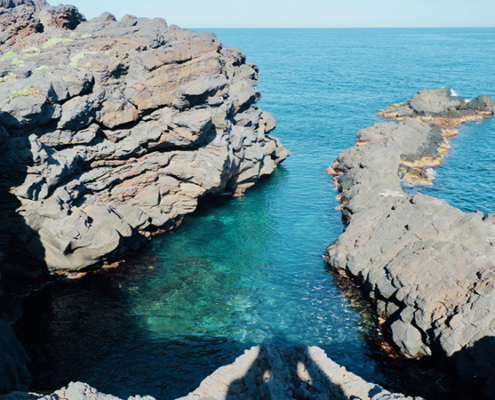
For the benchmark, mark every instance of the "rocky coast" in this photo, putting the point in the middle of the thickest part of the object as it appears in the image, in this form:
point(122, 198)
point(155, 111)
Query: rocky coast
point(110, 132)
point(427, 266)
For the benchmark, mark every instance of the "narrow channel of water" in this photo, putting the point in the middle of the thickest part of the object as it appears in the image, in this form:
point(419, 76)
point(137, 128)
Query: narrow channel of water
point(249, 270)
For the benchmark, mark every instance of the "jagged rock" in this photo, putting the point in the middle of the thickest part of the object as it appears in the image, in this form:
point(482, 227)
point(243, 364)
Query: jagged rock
point(38, 4)
point(117, 128)
point(430, 266)
point(428, 102)
point(481, 103)
point(111, 131)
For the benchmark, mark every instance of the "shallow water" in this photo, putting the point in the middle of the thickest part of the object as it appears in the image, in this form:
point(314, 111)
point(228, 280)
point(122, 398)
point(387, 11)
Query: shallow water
point(249, 270)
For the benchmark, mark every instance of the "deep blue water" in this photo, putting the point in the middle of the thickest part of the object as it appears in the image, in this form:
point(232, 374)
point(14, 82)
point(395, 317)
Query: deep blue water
point(249, 270)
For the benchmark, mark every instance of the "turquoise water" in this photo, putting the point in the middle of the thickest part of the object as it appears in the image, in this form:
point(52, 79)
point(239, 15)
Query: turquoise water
point(247, 271)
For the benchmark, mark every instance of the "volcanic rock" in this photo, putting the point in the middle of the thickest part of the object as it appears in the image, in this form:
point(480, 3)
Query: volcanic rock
point(429, 267)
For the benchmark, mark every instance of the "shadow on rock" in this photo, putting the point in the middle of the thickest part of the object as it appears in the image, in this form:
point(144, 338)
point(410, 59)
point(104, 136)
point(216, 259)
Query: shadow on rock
point(17, 268)
point(477, 364)
point(279, 373)
point(294, 372)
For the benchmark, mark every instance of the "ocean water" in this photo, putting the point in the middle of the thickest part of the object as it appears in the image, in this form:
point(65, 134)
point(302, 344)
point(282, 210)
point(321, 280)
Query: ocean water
point(249, 271)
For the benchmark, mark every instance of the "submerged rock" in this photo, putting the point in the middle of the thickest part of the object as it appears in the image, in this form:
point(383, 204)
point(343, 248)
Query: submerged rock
point(430, 267)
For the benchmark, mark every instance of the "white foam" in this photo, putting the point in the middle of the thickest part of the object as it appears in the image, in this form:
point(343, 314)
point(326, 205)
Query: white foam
point(467, 100)
point(431, 171)
point(453, 93)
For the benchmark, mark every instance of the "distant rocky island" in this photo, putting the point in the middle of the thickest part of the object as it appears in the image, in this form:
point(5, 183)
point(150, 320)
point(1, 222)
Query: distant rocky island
point(427, 266)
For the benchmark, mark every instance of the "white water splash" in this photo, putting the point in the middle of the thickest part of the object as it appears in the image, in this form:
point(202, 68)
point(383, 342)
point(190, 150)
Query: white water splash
point(431, 171)
point(453, 93)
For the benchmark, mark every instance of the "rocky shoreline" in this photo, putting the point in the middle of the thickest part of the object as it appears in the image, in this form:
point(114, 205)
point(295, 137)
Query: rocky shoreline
point(112, 130)
point(428, 267)
point(110, 133)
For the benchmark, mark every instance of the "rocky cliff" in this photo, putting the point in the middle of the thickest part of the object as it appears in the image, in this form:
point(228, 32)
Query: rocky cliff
point(110, 132)
point(429, 267)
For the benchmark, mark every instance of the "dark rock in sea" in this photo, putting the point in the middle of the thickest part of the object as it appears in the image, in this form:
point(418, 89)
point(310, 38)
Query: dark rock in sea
point(429, 267)
point(120, 128)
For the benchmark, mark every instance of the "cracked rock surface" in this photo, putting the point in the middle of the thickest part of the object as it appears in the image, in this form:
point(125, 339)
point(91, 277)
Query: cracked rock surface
point(112, 130)
point(429, 266)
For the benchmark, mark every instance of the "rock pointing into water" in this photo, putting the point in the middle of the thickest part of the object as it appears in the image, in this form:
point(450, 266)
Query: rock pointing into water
point(262, 372)
point(429, 266)
point(112, 130)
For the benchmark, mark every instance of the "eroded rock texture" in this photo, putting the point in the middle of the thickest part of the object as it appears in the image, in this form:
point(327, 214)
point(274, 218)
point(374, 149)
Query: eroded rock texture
point(111, 130)
point(430, 266)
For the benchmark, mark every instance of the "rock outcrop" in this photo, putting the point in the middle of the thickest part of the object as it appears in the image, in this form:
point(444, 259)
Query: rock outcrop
point(112, 130)
point(266, 372)
point(429, 267)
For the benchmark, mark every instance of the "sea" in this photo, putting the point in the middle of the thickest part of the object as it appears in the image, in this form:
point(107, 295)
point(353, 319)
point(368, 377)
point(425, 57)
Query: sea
point(248, 271)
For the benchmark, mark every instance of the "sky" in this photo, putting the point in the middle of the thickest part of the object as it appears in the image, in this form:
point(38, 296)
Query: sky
point(301, 13)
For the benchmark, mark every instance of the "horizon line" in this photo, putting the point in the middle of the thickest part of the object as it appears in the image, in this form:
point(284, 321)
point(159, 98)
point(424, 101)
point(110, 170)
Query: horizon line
point(342, 27)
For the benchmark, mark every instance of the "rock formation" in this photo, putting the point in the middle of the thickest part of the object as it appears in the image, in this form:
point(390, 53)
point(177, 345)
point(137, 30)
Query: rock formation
point(429, 267)
point(110, 132)
point(262, 372)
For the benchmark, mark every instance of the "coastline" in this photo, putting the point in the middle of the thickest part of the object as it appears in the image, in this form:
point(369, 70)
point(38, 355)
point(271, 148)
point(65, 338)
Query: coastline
point(319, 253)
point(110, 132)
point(422, 261)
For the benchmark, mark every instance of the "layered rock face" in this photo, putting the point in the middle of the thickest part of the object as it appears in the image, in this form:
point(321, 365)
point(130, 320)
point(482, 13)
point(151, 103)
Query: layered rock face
point(112, 130)
point(262, 372)
point(429, 266)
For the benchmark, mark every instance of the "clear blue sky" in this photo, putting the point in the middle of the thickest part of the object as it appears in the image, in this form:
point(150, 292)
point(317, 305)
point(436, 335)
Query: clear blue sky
point(301, 13)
